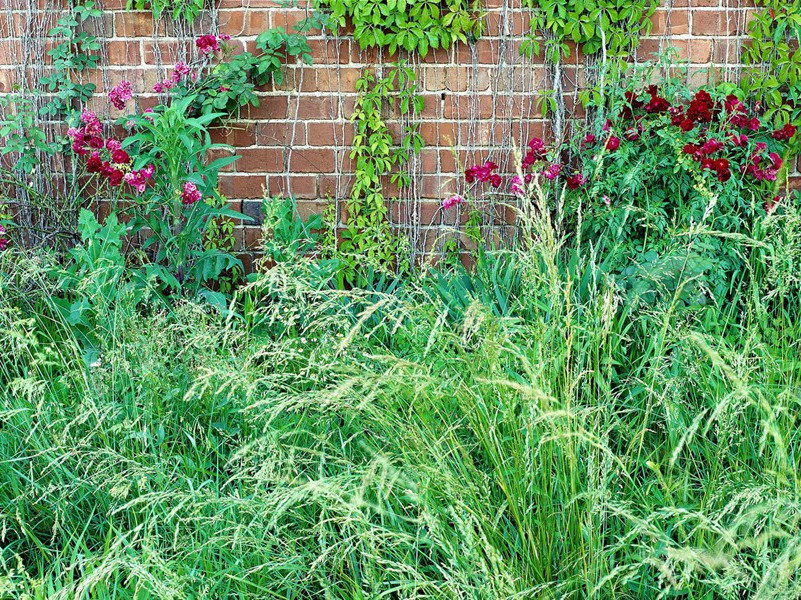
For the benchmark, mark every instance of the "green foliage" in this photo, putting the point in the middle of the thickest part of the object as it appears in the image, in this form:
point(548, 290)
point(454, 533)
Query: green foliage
point(411, 25)
point(533, 433)
point(774, 77)
point(22, 135)
point(656, 213)
point(368, 240)
point(286, 236)
point(74, 52)
point(186, 10)
point(229, 84)
point(614, 26)
point(219, 235)
point(178, 146)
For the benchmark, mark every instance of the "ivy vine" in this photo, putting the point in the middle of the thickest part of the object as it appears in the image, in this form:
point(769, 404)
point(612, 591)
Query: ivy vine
point(186, 10)
point(412, 25)
point(368, 240)
point(614, 26)
point(773, 77)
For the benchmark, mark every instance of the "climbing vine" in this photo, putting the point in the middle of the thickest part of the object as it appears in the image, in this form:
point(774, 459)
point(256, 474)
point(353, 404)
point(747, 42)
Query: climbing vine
point(412, 25)
point(613, 26)
point(186, 10)
point(75, 51)
point(409, 26)
point(773, 77)
point(368, 235)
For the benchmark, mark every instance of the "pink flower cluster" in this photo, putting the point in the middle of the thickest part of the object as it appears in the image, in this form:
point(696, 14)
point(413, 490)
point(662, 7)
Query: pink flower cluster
point(179, 73)
point(106, 156)
point(485, 173)
point(536, 154)
point(759, 171)
point(190, 194)
point(452, 201)
point(207, 43)
point(138, 179)
point(120, 94)
point(3, 239)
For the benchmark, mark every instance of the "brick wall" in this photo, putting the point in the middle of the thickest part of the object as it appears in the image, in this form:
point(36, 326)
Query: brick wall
point(478, 98)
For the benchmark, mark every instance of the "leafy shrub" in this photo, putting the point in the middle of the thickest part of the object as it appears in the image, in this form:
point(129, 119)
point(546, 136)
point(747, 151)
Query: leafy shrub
point(670, 182)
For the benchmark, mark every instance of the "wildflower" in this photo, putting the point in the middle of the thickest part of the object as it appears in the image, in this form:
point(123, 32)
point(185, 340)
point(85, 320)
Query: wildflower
point(190, 194)
point(207, 43)
point(120, 93)
point(446, 204)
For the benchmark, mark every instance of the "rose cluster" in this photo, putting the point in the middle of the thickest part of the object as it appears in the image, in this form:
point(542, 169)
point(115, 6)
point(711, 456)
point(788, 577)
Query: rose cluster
point(106, 156)
point(730, 118)
point(120, 94)
point(535, 161)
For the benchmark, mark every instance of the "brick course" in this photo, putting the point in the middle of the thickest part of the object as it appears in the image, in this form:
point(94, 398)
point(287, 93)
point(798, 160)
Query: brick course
point(478, 98)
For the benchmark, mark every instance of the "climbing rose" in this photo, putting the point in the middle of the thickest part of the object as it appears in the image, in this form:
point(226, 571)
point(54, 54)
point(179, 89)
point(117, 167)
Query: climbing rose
point(120, 93)
point(207, 43)
point(786, 133)
point(552, 172)
point(575, 181)
point(190, 194)
point(516, 186)
point(613, 143)
point(120, 157)
point(452, 201)
point(181, 70)
point(483, 173)
point(138, 179)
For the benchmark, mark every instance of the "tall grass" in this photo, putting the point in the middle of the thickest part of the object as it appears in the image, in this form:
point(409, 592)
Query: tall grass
point(553, 437)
